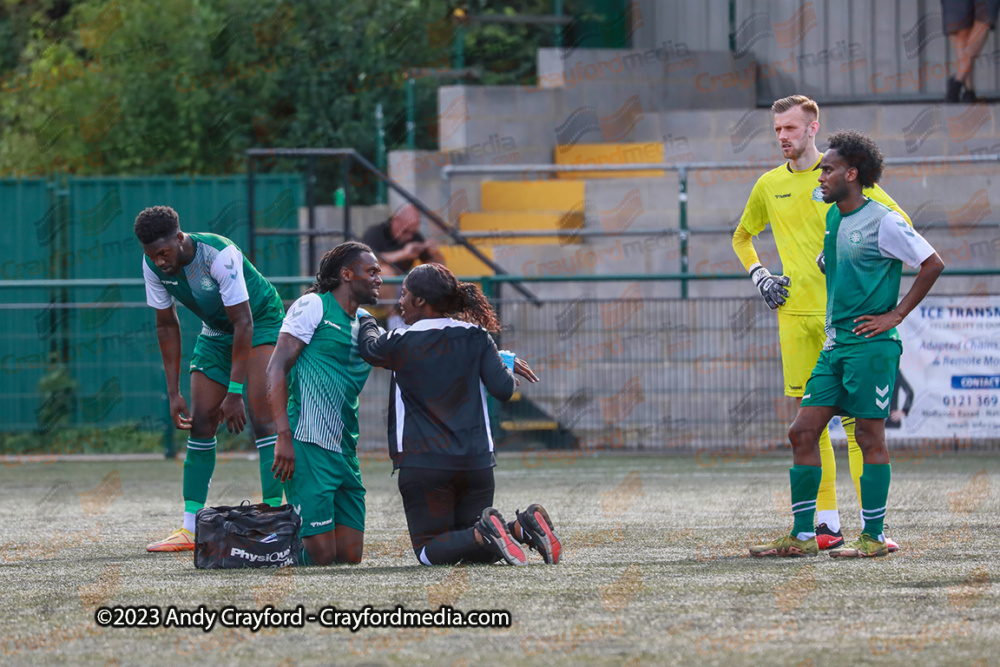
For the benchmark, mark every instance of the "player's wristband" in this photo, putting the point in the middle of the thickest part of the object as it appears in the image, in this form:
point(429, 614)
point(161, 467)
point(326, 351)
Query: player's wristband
point(235, 387)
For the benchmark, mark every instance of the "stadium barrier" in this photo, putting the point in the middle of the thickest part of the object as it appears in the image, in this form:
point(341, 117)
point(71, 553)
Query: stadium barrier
point(970, 214)
point(81, 365)
point(85, 375)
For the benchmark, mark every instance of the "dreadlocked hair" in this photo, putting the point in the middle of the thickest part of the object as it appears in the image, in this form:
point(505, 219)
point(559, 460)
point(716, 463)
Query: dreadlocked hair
point(439, 287)
point(344, 255)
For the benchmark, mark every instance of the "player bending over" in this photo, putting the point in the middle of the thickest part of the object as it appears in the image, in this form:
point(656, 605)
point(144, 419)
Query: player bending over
point(789, 198)
point(240, 313)
point(439, 427)
point(317, 411)
point(865, 247)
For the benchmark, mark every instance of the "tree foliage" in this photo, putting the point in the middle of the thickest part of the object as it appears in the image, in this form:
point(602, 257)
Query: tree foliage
point(186, 86)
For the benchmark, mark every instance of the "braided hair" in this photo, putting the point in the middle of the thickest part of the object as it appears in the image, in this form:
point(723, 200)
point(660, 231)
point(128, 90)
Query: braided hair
point(328, 277)
point(439, 287)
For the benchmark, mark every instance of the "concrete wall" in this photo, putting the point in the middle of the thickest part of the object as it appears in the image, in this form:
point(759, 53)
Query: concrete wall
point(581, 99)
point(942, 200)
point(830, 49)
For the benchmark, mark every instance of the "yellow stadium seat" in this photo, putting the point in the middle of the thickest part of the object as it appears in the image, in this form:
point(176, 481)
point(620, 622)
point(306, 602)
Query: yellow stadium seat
point(610, 154)
point(463, 263)
point(506, 225)
point(531, 196)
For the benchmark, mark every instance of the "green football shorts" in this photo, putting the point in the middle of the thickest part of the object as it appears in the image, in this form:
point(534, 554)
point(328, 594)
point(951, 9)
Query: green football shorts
point(213, 355)
point(326, 489)
point(857, 379)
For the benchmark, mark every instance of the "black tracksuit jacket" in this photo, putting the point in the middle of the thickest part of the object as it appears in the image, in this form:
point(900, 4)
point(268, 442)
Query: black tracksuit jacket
point(441, 371)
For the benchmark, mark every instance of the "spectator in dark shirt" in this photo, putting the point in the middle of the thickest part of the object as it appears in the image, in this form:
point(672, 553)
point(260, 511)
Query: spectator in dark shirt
point(399, 243)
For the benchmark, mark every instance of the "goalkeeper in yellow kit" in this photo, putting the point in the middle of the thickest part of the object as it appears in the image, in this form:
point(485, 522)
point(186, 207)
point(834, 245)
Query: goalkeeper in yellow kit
point(789, 198)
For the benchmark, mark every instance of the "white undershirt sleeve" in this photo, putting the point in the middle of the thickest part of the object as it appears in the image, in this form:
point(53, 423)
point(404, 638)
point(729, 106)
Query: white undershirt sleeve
point(227, 270)
point(303, 317)
point(898, 240)
point(157, 295)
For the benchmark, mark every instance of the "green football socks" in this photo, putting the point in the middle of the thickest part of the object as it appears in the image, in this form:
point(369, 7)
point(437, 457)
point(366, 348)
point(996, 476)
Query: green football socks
point(199, 464)
point(805, 487)
point(874, 494)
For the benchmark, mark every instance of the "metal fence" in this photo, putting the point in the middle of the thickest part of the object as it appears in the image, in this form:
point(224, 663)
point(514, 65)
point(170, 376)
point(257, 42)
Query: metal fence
point(78, 345)
point(653, 373)
point(932, 216)
point(75, 372)
point(626, 373)
point(648, 373)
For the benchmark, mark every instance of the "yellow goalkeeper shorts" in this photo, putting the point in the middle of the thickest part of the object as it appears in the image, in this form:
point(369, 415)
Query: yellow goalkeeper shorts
point(802, 338)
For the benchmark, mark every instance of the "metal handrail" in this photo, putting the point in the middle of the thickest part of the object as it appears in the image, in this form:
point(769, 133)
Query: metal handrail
point(571, 232)
point(682, 169)
point(566, 232)
point(300, 232)
point(349, 155)
point(449, 169)
point(504, 278)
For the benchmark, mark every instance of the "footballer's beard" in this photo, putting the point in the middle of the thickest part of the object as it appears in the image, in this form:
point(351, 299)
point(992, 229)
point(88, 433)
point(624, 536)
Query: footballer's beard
point(369, 298)
point(795, 151)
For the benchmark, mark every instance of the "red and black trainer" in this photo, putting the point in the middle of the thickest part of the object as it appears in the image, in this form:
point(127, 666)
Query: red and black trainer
point(827, 539)
point(498, 539)
point(540, 533)
point(892, 546)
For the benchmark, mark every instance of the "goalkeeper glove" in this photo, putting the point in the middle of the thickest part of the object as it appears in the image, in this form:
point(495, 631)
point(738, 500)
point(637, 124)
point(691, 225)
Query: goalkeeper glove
point(821, 262)
point(772, 288)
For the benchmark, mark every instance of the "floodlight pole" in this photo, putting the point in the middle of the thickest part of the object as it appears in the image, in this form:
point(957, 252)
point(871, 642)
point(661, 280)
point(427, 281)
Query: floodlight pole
point(311, 204)
point(682, 197)
point(411, 115)
point(557, 31)
point(379, 152)
point(252, 234)
point(345, 183)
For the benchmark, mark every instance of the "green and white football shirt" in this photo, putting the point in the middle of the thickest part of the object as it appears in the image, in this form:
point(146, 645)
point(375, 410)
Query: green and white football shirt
point(865, 251)
point(328, 375)
point(218, 276)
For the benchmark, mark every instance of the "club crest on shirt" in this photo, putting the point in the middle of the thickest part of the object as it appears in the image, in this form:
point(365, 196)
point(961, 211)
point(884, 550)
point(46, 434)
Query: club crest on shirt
point(207, 284)
point(855, 236)
point(817, 194)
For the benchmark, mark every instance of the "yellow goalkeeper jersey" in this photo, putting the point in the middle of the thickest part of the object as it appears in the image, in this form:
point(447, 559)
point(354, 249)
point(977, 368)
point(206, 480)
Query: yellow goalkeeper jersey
point(792, 202)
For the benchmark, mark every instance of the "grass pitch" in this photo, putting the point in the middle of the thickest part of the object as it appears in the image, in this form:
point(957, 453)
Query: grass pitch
point(655, 571)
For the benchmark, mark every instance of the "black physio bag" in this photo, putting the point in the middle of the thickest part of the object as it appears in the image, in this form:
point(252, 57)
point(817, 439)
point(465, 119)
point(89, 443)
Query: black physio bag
point(246, 536)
